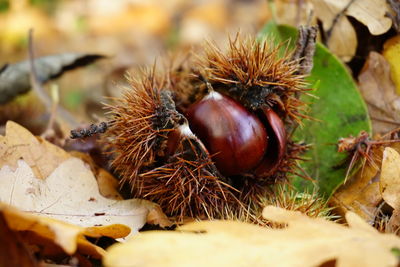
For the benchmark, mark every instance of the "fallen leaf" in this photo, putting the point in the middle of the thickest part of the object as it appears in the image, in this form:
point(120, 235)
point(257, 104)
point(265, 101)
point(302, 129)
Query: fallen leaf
point(304, 242)
point(371, 13)
point(14, 78)
point(294, 13)
point(360, 194)
point(108, 184)
point(390, 178)
point(391, 52)
point(379, 92)
point(343, 39)
point(70, 194)
point(18, 143)
point(14, 251)
point(69, 237)
point(66, 189)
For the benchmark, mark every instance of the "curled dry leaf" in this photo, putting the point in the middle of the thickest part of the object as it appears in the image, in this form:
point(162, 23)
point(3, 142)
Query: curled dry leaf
point(67, 189)
point(380, 93)
point(304, 242)
point(69, 237)
point(14, 78)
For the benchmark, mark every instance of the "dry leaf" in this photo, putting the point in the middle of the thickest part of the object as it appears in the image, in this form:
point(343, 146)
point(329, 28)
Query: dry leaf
point(390, 177)
point(294, 13)
point(391, 52)
point(372, 13)
point(304, 242)
point(343, 40)
point(364, 192)
point(69, 237)
point(108, 184)
point(360, 194)
point(70, 194)
point(66, 190)
point(379, 92)
point(14, 78)
point(42, 156)
point(13, 250)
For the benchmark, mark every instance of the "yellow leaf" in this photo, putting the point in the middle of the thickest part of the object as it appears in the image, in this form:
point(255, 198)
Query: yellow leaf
point(391, 52)
point(69, 237)
point(304, 242)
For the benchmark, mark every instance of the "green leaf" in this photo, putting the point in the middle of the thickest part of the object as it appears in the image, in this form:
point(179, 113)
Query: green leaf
point(339, 109)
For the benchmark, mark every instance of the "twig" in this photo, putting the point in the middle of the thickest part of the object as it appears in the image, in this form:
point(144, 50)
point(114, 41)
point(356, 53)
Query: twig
point(38, 88)
point(305, 48)
point(89, 131)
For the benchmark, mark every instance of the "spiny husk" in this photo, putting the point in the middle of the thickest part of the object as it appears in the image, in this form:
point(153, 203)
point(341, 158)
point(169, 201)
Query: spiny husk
point(132, 137)
point(257, 75)
point(188, 184)
point(184, 184)
point(283, 196)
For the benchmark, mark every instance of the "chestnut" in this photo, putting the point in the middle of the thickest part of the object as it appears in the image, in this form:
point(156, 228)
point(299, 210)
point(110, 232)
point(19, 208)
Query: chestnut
point(236, 138)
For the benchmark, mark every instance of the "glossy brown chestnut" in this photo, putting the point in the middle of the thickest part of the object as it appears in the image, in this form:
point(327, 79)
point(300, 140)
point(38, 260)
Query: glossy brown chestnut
point(277, 148)
point(236, 138)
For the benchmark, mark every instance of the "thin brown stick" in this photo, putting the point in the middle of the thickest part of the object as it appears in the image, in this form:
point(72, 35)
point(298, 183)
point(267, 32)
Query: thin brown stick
point(305, 49)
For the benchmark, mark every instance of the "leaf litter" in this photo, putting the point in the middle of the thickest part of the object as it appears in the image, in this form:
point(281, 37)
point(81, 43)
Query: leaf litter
point(59, 197)
point(303, 242)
